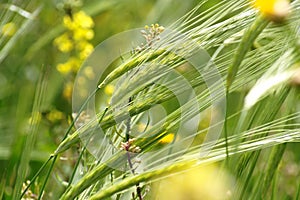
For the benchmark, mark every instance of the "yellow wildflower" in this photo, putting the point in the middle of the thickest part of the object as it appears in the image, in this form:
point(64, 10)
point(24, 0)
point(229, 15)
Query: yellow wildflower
point(82, 34)
point(167, 139)
point(205, 182)
point(86, 51)
point(109, 89)
point(83, 20)
point(81, 45)
point(68, 22)
point(55, 115)
point(9, 29)
point(79, 32)
point(72, 64)
point(64, 68)
point(273, 8)
point(75, 63)
point(67, 92)
point(63, 43)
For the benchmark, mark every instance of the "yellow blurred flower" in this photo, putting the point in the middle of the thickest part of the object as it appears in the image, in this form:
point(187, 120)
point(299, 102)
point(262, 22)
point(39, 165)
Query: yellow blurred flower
point(72, 64)
point(167, 139)
point(86, 51)
point(55, 115)
point(9, 29)
point(79, 32)
point(80, 20)
point(64, 68)
point(82, 34)
point(109, 89)
point(67, 92)
point(273, 8)
point(63, 43)
point(201, 183)
point(75, 63)
point(83, 20)
point(68, 22)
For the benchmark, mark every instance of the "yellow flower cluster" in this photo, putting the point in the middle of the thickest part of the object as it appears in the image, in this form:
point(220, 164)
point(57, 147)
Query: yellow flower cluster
point(167, 139)
point(75, 41)
point(72, 64)
point(273, 8)
point(8, 29)
point(55, 115)
point(206, 182)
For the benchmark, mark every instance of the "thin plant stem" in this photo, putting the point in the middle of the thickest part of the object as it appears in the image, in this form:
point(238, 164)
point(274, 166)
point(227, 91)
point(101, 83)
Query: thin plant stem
point(127, 137)
point(47, 177)
point(36, 175)
point(65, 136)
point(82, 151)
point(247, 40)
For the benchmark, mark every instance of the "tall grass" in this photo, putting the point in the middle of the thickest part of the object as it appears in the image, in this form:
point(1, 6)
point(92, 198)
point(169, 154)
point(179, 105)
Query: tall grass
point(250, 68)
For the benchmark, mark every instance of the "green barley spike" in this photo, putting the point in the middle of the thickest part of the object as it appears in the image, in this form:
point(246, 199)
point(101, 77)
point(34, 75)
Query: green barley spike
point(132, 63)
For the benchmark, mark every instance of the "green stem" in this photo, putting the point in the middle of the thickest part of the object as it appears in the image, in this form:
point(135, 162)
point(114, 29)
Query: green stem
point(81, 153)
point(226, 126)
point(93, 176)
point(247, 41)
point(132, 181)
point(274, 160)
point(36, 175)
point(47, 177)
point(54, 156)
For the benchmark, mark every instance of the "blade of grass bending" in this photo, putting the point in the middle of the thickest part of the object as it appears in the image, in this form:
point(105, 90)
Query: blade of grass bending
point(2, 183)
point(110, 119)
point(247, 40)
point(54, 156)
point(35, 176)
point(277, 151)
point(82, 151)
point(253, 156)
point(226, 126)
point(92, 176)
point(274, 194)
point(182, 166)
point(273, 163)
point(103, 169)
point(47, 177)
point(298, 192)
point(133, 180)
point(31, 136)
point(99, 172)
